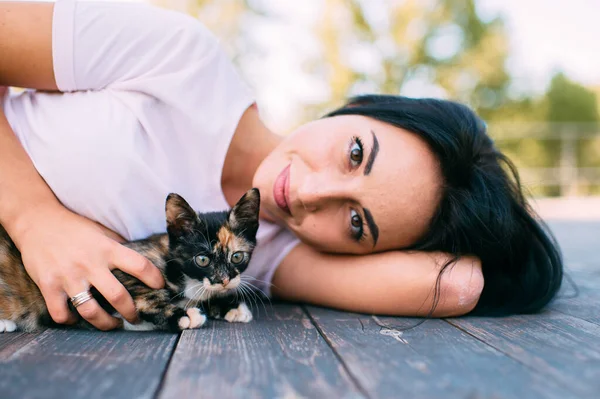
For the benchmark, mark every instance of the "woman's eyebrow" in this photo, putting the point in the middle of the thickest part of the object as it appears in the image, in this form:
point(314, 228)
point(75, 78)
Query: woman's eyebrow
point(371, 225)
point(372, 155)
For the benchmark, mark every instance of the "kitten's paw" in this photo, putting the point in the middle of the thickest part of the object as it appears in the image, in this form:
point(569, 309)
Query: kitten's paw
point(241, 314)
point(197, 319)
point(194, 319)
point(7, 326)
point(184, 323)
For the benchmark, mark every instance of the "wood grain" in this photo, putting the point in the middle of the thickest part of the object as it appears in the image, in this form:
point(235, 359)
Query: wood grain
point(434, 360)
point(61, 363)
point(565, 349)
point(585, 303)
point(280, 354)
point(12, 342)
point(579, 242)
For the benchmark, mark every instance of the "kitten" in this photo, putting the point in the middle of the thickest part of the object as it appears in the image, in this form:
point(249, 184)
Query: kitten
point(201, 258)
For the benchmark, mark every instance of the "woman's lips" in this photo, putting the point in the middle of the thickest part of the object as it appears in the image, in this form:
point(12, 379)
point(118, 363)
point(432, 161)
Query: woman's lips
point(281, 190)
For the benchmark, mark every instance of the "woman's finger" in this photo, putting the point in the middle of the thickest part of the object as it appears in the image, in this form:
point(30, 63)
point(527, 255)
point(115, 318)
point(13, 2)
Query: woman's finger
point(56, 302)
point(137, 265)
point(92, 312)
point(114, 292)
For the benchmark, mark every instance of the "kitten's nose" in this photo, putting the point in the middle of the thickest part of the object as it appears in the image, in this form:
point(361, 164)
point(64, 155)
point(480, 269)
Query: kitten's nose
point(225, 281)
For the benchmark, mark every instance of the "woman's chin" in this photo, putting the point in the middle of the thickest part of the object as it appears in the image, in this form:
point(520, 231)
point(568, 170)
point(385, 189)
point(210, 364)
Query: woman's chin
point(268, 216)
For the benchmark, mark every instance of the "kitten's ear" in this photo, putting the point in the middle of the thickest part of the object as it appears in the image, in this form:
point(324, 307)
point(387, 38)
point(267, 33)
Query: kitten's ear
point(181, 218)
point(244, 215)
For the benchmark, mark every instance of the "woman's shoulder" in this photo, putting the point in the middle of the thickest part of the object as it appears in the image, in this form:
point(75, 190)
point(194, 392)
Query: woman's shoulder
point(142, 51)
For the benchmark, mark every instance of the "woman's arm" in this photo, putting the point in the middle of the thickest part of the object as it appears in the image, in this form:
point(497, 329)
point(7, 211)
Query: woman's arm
point(63, 253)
point(390, 283)
point(26, 45)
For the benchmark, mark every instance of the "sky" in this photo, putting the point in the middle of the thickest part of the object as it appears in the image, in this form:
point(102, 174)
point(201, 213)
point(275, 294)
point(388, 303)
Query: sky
point(547, 35)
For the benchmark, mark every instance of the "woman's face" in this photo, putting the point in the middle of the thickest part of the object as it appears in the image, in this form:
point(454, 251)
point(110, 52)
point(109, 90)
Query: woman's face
point(351, 184)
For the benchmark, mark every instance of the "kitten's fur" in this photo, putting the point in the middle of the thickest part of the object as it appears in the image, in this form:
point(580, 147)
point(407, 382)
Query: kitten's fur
point(191, 288)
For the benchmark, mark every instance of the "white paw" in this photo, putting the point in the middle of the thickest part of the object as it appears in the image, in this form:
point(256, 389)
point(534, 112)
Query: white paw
point(7, 326)
point(197, 319)
point(240, 315)
point(184, 323)
point(143, 326)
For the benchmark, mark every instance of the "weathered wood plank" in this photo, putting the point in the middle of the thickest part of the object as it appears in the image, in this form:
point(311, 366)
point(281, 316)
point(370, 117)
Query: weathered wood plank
point(585, 303)
point(579, 242)
point(279, 354)
point(434, 360)
point(12, 342)
point(565, 349)
point(62, 363)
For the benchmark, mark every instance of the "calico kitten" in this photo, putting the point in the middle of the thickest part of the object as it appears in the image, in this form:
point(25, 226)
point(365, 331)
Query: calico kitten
point(201, 258)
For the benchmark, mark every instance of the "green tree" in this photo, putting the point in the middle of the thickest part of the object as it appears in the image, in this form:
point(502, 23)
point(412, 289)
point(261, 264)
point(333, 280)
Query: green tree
point(570, 102)
point(443, 43)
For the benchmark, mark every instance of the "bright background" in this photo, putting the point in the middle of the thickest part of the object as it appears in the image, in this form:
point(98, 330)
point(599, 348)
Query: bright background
point(530, 68)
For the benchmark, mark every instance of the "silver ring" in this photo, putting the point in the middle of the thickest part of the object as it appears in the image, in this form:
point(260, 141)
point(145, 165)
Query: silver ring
point(81, 298)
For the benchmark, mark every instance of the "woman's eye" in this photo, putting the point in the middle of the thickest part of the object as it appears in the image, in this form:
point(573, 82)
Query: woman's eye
point(356, 225)
point(237, 258)
point(201, 260)
point(356, 152)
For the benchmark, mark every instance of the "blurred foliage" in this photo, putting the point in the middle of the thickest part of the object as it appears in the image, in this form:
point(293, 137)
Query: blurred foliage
point(570, 113)
point(570, 102)
point(441, 43)
point(443, 48)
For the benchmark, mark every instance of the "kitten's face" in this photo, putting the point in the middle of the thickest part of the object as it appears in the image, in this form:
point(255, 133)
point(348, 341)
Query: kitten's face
point(212, 249)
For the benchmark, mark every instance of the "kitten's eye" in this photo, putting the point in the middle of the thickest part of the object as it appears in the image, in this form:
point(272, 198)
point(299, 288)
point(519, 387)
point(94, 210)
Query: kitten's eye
point(238, 257)
point(356, 152)
point(201, 260)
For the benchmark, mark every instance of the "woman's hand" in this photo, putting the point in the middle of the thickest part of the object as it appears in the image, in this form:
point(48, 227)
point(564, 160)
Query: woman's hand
point(65, 254)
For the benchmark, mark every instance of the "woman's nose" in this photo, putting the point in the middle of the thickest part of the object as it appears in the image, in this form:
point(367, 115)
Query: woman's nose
point(319, 189)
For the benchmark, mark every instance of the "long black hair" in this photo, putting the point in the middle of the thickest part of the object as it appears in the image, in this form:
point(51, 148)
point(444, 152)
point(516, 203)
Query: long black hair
point(483, 211)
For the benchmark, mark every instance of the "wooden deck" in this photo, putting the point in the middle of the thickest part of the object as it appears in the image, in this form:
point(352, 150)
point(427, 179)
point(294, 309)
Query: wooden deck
point(302, 351)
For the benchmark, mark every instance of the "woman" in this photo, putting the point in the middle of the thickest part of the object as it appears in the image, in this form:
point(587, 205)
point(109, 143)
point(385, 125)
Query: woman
point(134, 102)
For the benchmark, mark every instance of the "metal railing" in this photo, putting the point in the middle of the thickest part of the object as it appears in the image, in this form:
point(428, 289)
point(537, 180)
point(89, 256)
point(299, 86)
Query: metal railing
point(567, 173)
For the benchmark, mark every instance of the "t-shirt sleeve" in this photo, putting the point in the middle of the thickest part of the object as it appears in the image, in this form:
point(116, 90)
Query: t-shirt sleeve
point(100, 44)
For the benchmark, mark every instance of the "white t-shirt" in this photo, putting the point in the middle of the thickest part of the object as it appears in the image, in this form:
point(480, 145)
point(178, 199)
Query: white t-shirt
point(150, 106)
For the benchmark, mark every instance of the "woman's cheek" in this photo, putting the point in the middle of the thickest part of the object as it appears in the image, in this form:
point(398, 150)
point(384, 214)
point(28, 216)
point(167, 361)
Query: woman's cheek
point(323, 237)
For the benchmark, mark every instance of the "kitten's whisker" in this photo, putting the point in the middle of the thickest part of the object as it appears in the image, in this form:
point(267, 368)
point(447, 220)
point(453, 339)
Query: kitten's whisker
point(187, 303)
point(261, 281)
point(193, 297)
point(241, 293)
point(252, 288)
point(253, 297)
point(198, 298)
point(186, 289)
point(247, 296)
point(258, 289)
